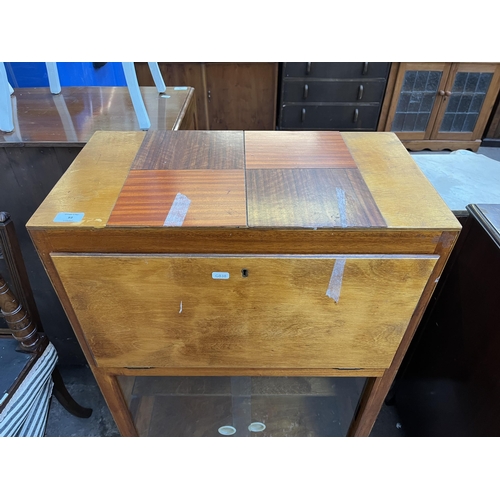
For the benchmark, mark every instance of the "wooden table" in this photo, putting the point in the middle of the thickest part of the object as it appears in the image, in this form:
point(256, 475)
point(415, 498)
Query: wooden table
point(71, 117)
point(243, 254)
point(50, 131)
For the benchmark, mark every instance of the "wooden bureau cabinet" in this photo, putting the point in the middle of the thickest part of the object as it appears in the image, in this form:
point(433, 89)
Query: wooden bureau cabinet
point(251, 255)
point(331, 96)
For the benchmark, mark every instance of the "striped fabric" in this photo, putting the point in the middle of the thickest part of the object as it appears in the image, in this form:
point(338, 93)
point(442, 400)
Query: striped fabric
point(26, 412)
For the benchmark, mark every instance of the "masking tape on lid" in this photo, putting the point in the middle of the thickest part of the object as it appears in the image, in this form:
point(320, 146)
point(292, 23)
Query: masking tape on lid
point(335, 284)
point(178, 211)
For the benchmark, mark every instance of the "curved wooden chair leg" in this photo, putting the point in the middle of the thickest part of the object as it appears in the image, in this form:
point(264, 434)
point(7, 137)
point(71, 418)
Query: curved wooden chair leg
point(19, 319)
point(64, 397)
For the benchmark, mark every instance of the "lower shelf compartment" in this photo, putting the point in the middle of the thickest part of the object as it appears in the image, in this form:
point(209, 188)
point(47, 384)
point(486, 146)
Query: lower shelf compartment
point(227, 406)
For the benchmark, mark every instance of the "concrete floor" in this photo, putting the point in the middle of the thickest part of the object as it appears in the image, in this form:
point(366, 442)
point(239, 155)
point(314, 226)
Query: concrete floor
point(82, 386)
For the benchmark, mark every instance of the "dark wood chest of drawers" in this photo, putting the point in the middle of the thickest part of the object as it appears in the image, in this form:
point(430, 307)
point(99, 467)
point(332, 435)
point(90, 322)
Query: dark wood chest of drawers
point(331, 96)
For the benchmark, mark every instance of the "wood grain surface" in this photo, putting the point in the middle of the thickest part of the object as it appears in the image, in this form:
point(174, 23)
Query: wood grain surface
point(71, 117)
point(236, 240)
point(288, 149)
point(279, 316)
point(93, 182)
point(186, 150)
point(241, 96)
point(310, 198)
point(216, 198)
point(403, 194)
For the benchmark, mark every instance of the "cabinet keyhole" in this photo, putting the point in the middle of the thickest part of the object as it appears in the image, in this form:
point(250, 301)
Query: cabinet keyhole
point(244, 273)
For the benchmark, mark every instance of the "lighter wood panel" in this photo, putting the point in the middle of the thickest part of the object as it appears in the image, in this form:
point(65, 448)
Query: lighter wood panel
point(304, 149)
point(215, 198)
point(401, 191)
point(92, 183)
point(280, 316)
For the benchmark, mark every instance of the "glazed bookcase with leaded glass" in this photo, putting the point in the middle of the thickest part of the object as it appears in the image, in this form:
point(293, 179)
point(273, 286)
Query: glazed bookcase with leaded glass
point(441, 105)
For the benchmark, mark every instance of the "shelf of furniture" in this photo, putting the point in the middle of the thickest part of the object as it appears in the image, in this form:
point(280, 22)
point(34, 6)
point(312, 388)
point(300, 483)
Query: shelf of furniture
point(50, 131)
point(331, 96)
point(440, 105)
point(229, 96)
point(242, 254)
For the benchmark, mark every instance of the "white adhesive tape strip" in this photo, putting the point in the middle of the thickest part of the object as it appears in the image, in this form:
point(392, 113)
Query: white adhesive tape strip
point(342, 206)
point(178, 211)
point(335, 284)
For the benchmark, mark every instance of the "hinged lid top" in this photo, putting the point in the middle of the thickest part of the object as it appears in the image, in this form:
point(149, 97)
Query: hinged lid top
point(254, 179)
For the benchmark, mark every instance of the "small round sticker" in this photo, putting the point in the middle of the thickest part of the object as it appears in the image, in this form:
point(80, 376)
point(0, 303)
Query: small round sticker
point(227, 430)
point(256, 427)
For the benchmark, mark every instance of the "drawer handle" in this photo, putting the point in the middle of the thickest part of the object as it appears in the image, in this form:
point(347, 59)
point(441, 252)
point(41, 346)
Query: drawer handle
point(356, 114)
point(365, 68)
point(360, 92)
point(306, 91)
point(308, 68)
point(303, 115)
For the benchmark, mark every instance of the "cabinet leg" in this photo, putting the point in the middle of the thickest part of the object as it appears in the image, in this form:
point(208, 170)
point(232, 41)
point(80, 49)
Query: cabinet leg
point(116, 403)
point(371, 401)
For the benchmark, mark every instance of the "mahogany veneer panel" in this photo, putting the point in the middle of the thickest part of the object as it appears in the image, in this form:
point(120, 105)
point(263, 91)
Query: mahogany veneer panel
point(217, 198)
point(310, 198)
point(183, 150)
point(282, 149)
